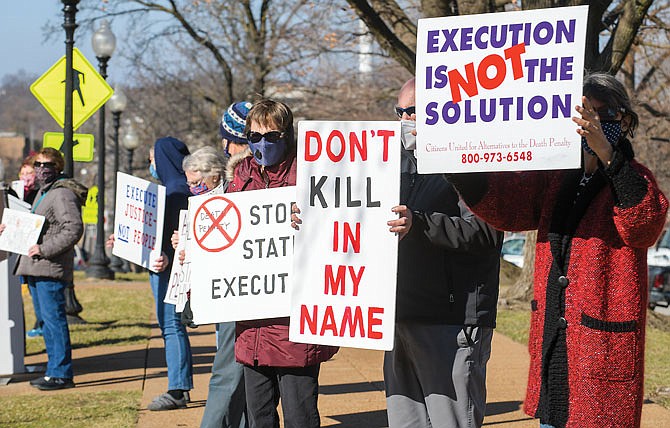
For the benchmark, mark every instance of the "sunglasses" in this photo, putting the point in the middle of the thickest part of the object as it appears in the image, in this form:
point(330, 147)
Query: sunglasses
point(37, 164)
point(609, 113)
point(409, 111)
point(270, 137)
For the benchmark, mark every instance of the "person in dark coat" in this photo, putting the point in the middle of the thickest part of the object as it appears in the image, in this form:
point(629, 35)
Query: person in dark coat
point(594, 225)
point(446, 297)
point(166, 166)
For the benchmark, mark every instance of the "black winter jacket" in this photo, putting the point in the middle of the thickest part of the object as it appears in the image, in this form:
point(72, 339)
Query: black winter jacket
point(449, 262)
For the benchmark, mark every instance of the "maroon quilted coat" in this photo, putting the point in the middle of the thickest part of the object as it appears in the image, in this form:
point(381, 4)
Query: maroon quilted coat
point(265, 342)
point(590, 288)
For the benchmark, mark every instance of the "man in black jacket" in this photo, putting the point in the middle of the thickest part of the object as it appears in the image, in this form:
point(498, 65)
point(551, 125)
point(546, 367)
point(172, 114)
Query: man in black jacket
point(447, 291)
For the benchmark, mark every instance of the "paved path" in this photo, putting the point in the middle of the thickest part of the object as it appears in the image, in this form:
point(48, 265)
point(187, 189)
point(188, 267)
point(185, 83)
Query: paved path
point(351, 383)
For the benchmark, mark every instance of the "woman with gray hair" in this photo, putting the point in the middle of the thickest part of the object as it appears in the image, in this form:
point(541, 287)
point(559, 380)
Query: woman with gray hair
point(594, 225)
point(204, 171)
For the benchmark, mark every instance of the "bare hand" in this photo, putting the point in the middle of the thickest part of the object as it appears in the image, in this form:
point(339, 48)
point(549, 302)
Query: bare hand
point(295, 220)
point(591, 129)
point(402, 224)
point(110, 241)
point(34, 251)
point(161, 263)
point(2, 228)
point(175, 239)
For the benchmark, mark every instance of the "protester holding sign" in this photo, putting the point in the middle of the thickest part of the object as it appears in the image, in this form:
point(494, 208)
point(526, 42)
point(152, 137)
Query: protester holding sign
point(48, 267)
point(275, 367)
point(166, 166)
point(226, 403)
point(590, 293)
point(447, 292)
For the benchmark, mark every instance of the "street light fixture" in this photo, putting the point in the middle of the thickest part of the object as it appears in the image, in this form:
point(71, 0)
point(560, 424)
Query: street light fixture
point(131, 141)
point(104, 43)
point(117, 103)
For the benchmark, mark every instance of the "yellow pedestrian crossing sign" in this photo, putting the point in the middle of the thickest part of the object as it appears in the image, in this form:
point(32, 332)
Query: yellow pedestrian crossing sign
point(89, 90)
point(82, 145)
point(89, 212)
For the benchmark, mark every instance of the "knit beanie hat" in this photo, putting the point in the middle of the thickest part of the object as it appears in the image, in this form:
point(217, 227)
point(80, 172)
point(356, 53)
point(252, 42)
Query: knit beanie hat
point(233, 121)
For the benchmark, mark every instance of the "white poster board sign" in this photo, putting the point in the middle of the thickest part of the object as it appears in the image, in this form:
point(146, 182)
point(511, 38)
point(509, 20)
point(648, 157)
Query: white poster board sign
point(496, 92)
point(22, 230)
point(180, 274)
point(138, 220)
point(241, 255)
point(18, 187)
point(348, 181)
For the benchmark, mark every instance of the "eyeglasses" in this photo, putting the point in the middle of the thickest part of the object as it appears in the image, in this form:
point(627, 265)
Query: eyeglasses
point(270, 137)
point(409, 111)
point(37, 164)
point(609, 113)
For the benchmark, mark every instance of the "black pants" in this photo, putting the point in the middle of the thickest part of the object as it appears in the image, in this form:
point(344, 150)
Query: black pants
point(298, 389)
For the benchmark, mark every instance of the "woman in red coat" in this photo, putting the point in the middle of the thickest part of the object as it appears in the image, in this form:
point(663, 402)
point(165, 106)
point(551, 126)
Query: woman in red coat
point(590, 287)
point(273, 365)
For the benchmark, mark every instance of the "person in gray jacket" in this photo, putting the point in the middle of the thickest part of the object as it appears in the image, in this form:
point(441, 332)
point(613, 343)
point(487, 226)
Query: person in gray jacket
point(48, 267)
point(447, 291)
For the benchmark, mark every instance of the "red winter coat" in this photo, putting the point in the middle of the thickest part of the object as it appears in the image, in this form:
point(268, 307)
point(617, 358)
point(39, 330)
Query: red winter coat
point(265, 342)
point(587, 329)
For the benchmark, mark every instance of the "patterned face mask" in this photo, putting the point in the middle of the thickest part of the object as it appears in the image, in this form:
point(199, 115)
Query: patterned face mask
point(199, 188)
point(611, 129)
point(45, 174)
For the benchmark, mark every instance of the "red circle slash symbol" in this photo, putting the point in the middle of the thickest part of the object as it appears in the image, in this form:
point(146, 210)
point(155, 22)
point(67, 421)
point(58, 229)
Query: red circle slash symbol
point(224, 217)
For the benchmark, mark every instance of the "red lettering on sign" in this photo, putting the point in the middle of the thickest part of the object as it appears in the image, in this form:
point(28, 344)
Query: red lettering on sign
point(351, 322)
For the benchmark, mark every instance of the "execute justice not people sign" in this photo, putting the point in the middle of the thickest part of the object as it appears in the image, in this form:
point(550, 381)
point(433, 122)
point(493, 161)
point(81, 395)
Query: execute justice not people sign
point(496, 92)
point(241, 255)
point(345, 257)
point(138, 220)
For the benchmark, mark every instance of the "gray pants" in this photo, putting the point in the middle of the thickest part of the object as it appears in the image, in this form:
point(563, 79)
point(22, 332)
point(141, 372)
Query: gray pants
point(435, 376)
point(226, 402)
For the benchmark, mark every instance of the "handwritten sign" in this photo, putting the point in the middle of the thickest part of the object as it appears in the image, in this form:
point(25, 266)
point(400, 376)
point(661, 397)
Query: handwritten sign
point(22, 230)
point(348, 181)
point(242, 255)
point(496, 92)
point(138, 220)
point(180, 274)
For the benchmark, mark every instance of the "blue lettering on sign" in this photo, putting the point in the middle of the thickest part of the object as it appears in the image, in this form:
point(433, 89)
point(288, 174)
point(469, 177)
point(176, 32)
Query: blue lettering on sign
point(122, 233)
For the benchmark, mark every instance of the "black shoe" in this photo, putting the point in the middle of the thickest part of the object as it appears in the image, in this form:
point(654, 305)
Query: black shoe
point(47, 383)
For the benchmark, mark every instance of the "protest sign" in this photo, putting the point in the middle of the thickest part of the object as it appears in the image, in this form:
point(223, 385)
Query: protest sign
point(496, 92)
point(180, 274)
point(138, 220)
point(348, 181)
point(241, 255)
point(22, 230)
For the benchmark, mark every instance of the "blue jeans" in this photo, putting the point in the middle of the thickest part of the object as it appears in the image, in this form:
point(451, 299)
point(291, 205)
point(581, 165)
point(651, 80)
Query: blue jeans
point(49, 301)
point(177, 346)
point(546, 426)
point(226, 404)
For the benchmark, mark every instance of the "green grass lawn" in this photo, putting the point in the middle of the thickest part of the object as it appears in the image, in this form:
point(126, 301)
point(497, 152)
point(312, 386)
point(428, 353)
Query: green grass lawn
point(117, 313)
point(515, 323)
point(114, 409)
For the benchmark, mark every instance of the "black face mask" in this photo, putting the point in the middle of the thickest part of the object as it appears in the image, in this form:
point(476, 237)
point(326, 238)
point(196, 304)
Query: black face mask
point(612, 131)
point(45, 174)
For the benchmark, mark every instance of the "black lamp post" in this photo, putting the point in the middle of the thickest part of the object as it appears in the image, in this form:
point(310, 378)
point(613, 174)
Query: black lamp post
point(104, 43)
point(117, 103)
point(69, 25)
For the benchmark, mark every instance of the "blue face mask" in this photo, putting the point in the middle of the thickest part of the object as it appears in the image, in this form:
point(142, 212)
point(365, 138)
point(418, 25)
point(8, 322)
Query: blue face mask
point(153, 172)
point(267, 153)
point(612, 131)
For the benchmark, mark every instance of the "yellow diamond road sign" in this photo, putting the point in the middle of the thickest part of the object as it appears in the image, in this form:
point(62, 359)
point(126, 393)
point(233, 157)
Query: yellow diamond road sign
point(82, 148)
point(89, 90)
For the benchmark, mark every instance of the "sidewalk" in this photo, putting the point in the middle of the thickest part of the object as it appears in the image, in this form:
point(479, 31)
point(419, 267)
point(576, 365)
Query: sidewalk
point(351, 393)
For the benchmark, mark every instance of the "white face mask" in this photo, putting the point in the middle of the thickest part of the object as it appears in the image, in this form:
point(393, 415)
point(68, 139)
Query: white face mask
point(408, 140)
